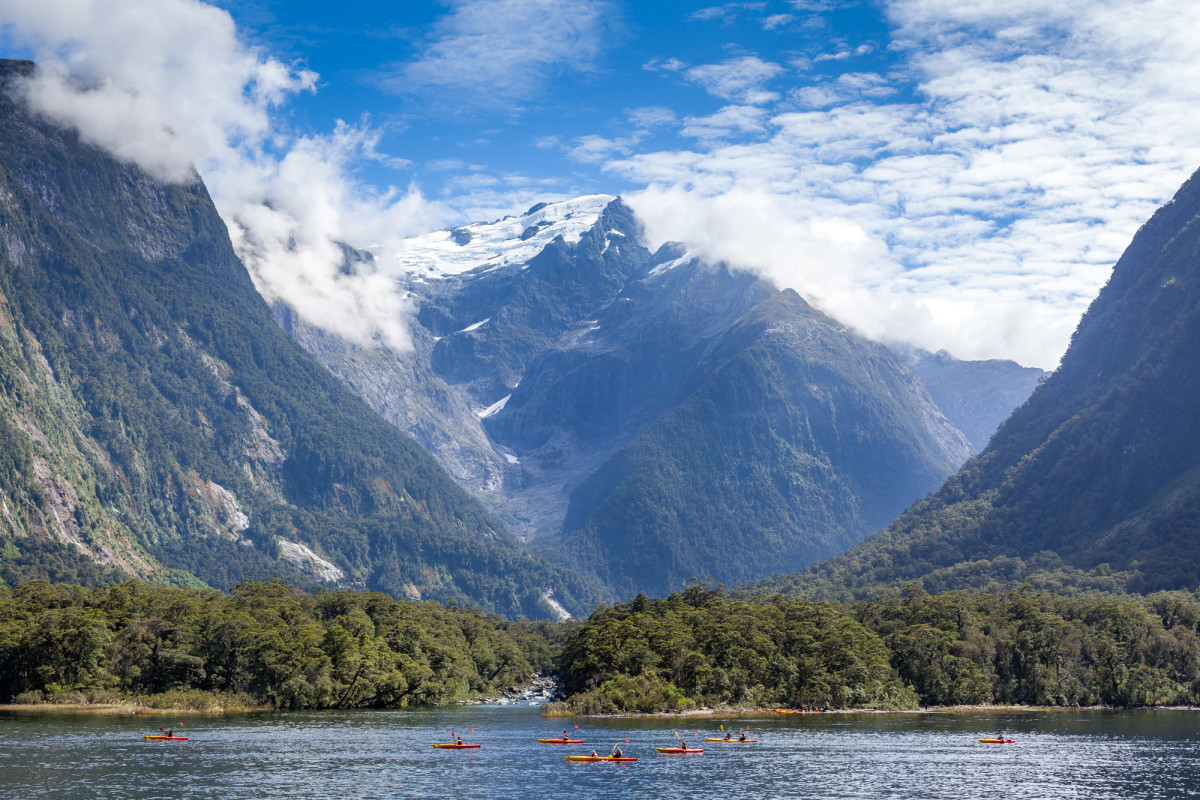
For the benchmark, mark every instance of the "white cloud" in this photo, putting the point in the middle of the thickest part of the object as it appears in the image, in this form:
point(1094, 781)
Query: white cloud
point(984, 215)
point(725, 123)
point(167, 84)
point(501, 52)
point(651, 116)
point(741, 79)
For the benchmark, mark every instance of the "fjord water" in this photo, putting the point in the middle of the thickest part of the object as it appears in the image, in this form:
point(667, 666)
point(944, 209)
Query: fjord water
point(386, 754)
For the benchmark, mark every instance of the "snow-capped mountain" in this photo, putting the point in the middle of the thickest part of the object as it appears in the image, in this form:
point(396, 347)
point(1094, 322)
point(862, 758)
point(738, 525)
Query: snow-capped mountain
point(549, 345)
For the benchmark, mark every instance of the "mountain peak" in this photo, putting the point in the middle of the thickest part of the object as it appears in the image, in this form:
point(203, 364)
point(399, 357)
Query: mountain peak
point(510, 240)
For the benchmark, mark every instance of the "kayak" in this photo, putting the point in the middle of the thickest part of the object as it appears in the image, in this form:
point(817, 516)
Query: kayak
point(998, 741)
point(739, 741)
point(598, 758)
point(674, 750)
point(456, 746)
point(164, 738)
point(561, 741)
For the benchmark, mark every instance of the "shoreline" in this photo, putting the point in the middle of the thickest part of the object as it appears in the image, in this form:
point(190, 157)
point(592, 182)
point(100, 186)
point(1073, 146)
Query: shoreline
point(122, 709)
point(754, 713)
point(136, 709)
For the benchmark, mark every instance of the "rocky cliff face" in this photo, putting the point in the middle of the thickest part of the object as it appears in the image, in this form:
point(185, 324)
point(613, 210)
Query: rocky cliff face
point(157, 421)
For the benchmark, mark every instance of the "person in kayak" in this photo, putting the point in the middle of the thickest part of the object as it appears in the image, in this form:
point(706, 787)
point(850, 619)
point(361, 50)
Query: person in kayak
point(742, 736)
point(458, 740)
point(682, 745)
point(595, 754)
point(565, 737)
point(616, 751)
point(728, 736)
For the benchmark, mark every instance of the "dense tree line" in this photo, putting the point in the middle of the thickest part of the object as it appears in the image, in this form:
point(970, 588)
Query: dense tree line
point(702, 648)
point(906, 648)
point(266, 644)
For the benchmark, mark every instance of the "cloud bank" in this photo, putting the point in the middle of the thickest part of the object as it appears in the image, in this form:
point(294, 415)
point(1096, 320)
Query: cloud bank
point(169, 86)
point(981, 216)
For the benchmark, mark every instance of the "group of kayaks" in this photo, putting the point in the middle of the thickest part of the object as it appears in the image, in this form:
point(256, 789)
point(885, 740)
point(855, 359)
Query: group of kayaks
point(460, 745)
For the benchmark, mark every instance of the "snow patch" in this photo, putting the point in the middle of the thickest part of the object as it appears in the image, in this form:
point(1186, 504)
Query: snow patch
point(306, 560)
point(512, 240)
point(667, 266)
point(493, 408)
point(510, 458)
point(474, 326)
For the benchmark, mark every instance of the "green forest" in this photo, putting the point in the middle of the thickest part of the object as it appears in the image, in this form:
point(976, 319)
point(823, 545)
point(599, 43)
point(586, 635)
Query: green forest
point(262, 645)
point(274, 645)
point(909, 648)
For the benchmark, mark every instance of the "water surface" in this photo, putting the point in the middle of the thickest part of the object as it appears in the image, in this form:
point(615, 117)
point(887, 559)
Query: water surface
point(386, 754)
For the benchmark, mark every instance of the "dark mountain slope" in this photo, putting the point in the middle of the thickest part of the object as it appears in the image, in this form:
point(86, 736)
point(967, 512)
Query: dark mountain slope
point(795, 437)
point(173, 430)
point(1101, 466)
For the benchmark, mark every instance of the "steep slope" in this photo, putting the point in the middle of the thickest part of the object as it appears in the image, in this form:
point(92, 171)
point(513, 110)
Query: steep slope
point(796, 438)
point(1101, 466)
point(160, 423)
point(976, 396)
point(561, 386)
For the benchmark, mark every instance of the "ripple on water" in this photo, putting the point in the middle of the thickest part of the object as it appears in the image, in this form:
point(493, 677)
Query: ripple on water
point(386, 754)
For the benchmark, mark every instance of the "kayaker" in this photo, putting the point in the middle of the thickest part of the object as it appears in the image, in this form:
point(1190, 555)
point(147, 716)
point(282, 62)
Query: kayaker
point(595, 754)
point(616, 751)
point(728, 736)
point(682, 745)
point(742, 736)
point(565, 737)
point(458, 740)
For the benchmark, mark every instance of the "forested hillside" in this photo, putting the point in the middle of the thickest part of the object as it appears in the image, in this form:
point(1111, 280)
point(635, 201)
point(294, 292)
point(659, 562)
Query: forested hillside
point(796, 438)
point(157, 422)
point(1098, 471)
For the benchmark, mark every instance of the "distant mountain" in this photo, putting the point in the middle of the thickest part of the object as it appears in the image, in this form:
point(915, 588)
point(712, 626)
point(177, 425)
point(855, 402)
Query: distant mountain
point(1096, 478)
point(976, 396)
point(795, 438)
point(675, 417)
point(157, 422)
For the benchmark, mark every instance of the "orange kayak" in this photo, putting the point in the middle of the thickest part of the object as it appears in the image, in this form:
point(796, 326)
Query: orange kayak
point(561, 741)
point(676, 750)
point(598, 758)
point(157, 737)
point(456, 746)
point(998, 741)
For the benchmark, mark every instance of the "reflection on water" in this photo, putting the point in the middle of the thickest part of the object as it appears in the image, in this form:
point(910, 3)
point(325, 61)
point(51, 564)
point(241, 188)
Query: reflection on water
point(386, 754)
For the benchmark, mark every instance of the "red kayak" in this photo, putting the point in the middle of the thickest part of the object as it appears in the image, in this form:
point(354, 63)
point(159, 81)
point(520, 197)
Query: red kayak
point(456, 746)
point(158, 738)
point(998, 741)
point(598, 758)
point(678, 750)
point(561, 741)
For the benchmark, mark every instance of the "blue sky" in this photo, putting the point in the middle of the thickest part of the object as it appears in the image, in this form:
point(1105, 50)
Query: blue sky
point(626, 75)
point(957, 175)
